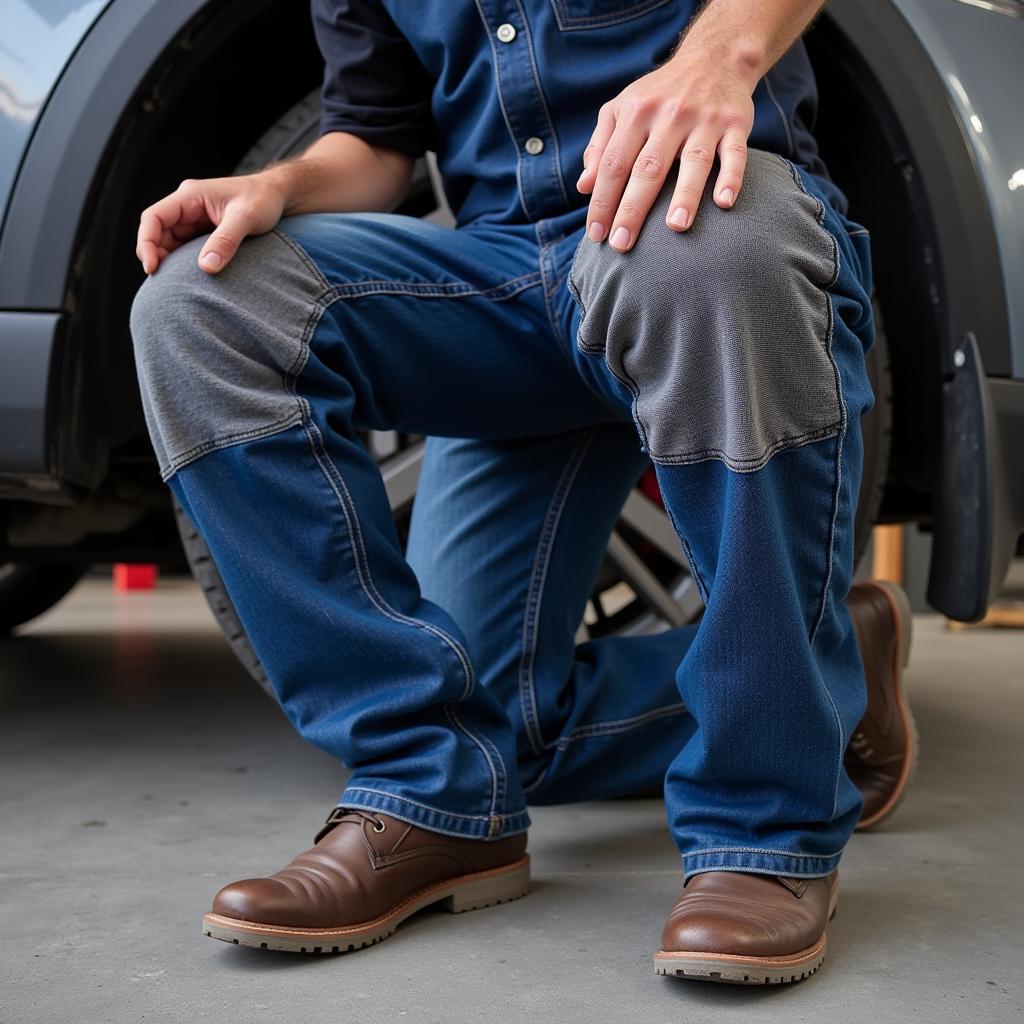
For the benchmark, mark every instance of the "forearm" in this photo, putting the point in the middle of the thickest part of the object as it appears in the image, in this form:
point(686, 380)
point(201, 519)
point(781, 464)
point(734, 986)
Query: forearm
point(341, 173)
point(746, 38)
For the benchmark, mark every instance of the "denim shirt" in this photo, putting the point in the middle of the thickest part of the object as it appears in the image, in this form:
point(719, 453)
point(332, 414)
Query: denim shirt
point(506, 92)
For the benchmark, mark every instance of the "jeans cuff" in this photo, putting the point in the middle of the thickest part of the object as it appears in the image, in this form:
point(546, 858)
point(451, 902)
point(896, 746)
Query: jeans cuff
point(434, 819)
point(760, 862)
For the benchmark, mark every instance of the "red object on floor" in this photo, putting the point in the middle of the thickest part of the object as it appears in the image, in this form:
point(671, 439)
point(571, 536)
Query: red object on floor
point(134, 576)
point(649, 487)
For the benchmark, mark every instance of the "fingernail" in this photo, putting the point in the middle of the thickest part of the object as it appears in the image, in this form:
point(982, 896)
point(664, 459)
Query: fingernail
point(596, 232)
point(727, 196)
point(212, 260)
point(579, 181)
point(620, 238)
point(680, 217)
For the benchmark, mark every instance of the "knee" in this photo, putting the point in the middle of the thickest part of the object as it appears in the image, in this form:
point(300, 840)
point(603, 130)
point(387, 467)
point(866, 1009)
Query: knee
point(213, 353)
point(721, 332)
point(167, 295)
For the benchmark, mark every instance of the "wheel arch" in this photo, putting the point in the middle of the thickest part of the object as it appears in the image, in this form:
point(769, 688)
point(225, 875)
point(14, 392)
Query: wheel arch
point(155, 92)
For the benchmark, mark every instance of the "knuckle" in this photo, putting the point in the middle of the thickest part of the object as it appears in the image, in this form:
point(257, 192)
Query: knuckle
point(629, 213)
point(732, 117)
point(689, 192)
point(642, 106)
point(677, 109)
point(698, 155)
point(599, 205)
point(649, 167)
point(613, 165)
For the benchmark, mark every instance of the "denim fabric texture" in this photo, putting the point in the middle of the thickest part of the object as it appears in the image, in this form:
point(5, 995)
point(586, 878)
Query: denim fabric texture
point(447, 677)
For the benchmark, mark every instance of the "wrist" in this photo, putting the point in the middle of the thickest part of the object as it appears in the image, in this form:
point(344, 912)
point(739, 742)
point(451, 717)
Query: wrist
point(742, 58)
point(284, 180)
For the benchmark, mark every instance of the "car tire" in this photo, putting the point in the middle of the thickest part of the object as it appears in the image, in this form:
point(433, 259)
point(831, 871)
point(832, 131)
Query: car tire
point(27, 590)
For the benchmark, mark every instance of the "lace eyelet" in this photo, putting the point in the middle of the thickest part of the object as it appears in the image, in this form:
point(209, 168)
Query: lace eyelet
point(378, 825)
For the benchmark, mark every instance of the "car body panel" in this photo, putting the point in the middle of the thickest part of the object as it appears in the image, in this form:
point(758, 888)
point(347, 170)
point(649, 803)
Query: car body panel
point(39, 37)
point(65, 153)
point(967, 43)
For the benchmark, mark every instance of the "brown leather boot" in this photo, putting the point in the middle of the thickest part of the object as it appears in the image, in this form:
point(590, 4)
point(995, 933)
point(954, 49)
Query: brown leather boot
point(747, 929)
point(882, 753)
point(366, 873)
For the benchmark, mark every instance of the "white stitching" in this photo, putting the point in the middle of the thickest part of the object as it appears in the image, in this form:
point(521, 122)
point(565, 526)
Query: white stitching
point(426, 807)
point(504, 112)
point(840, 438)
point(543, 101)
point(370, 589)
point(755, 849)
point(624, 725)
point(527, 690)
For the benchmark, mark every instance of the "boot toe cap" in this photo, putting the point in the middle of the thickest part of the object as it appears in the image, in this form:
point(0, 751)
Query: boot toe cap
point(719, 933)
point(263, 900)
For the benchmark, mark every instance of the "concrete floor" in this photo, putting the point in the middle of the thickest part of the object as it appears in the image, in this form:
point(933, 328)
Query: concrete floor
point(140, 770)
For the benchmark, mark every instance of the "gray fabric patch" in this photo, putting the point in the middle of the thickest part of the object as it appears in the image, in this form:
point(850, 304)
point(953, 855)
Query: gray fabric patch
point(214, 354)
point(722, 333)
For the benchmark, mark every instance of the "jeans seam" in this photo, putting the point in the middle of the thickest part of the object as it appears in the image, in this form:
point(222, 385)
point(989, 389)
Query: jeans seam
point(534, 596)
point(377, 600)
point(442, 290)
point(355, 535)
point(757, 849)
point(428, 807)
point(782, 115)
point(753, 464)
point(837, 484)
point(184, 459)
point(616, 727)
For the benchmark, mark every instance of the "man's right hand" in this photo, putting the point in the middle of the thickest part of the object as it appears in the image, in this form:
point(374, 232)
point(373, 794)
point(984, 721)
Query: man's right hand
point(233, 208)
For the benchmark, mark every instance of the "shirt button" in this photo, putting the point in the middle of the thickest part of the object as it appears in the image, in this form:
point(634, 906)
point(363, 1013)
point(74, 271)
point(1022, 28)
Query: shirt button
point(506, 33)
point(534, 145)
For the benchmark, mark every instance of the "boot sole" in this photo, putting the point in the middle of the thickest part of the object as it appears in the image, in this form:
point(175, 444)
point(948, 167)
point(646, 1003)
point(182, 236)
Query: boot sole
point(903, 616)
point(468, 892)
point(730, 969)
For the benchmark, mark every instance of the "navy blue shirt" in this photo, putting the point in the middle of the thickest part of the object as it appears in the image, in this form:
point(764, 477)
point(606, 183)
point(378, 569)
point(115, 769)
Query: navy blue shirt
point(506, 92)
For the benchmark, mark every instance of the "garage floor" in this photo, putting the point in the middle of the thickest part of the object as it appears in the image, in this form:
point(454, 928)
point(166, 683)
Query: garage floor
point(140, 770)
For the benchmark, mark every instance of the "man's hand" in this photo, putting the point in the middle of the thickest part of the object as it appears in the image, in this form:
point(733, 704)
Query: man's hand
point(338, 173)
point(234, 207)
point(696, 105)
point(691, 110)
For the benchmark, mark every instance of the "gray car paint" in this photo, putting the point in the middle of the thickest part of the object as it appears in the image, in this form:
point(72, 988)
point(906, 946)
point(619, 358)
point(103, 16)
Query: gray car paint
point(39, 36)
point(980, 54)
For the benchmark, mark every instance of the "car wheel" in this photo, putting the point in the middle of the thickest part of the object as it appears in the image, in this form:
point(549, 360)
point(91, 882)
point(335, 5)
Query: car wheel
point(27, 590)
point(644, 585)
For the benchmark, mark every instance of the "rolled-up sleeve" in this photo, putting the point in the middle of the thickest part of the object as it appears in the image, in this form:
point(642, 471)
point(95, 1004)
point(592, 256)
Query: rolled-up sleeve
point(374, 84)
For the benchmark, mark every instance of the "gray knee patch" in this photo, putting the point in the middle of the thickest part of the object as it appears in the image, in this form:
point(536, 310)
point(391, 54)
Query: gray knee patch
point(723, 332)
point(214, 354)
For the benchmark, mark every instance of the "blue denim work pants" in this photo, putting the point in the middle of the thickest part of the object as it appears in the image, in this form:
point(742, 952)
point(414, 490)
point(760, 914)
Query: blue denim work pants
point(549, 371)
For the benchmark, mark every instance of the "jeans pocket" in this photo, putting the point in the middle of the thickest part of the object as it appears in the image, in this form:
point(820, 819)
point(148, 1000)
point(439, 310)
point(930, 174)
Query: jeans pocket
point(574, 15)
